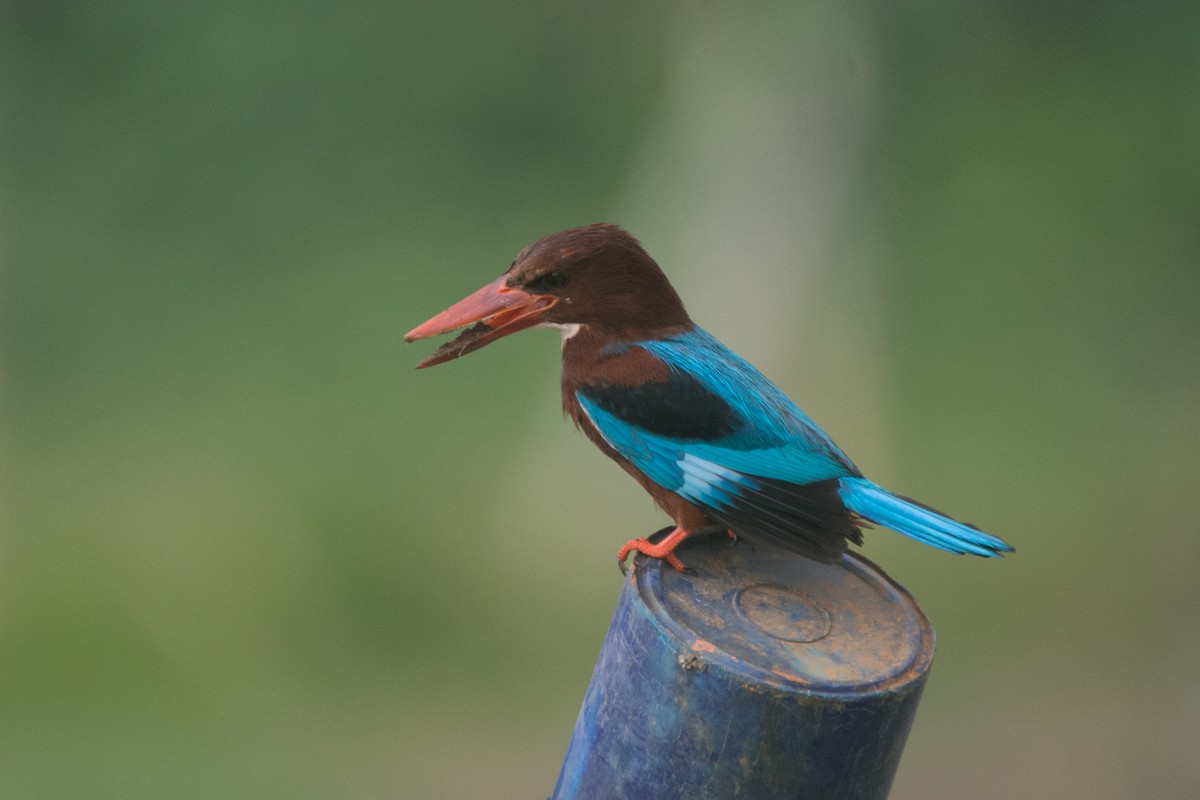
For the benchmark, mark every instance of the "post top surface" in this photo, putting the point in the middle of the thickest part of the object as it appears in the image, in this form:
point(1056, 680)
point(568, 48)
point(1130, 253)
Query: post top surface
point(779, 618)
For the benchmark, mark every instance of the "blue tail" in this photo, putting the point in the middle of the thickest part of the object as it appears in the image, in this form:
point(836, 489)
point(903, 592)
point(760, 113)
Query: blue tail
point(920, 522)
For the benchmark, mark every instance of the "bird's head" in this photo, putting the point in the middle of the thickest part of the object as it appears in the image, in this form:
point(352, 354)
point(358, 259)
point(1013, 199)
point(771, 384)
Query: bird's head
point(596, 278)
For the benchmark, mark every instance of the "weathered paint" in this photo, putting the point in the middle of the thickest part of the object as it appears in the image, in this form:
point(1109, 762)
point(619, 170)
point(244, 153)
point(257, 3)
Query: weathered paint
point(760, 675)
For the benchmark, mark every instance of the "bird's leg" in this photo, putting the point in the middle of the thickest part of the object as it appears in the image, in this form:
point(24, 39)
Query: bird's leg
point(662, 549)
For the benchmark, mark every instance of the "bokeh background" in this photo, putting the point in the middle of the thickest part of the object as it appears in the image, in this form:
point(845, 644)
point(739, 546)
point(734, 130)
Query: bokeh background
point(248, 551)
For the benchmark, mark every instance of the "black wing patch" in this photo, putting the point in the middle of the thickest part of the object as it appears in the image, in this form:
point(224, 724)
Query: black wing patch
point(680, 408)
point(809, 518)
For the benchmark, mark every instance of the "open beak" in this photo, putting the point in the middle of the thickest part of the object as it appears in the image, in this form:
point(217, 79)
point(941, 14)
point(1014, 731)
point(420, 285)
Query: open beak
point(497, 309)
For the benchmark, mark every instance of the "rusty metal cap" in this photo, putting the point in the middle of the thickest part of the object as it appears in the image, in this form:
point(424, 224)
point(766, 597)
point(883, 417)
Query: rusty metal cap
point(791, 623)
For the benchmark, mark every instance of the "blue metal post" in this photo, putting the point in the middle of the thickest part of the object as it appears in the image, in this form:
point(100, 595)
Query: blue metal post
point(760, 675)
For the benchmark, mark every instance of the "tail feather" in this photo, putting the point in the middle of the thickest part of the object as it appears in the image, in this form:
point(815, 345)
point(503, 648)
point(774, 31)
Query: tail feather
point(918, 521)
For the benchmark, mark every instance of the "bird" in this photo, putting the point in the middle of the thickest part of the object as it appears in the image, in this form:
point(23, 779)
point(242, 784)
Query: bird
point(715, 443)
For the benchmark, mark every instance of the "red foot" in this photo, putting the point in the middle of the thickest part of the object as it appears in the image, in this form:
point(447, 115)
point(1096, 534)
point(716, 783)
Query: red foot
point(664, 549)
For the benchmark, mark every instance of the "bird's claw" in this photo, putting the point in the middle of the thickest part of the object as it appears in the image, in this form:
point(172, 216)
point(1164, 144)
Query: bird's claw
point(663, 547)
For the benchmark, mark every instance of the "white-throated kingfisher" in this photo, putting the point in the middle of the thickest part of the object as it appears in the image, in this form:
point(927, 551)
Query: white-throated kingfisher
point(716, 444)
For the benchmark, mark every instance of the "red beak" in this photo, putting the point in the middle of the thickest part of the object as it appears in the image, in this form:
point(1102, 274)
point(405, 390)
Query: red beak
point(498, 308)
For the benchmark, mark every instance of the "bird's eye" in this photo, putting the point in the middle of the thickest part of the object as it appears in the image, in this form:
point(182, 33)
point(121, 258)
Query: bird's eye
point(548, 282)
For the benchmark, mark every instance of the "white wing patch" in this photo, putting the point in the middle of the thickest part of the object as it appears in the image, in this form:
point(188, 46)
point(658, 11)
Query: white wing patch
point(709, 483)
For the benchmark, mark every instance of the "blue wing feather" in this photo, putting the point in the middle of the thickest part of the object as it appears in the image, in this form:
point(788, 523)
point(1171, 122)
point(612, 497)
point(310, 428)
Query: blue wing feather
point(775, 438)
point(768, 471)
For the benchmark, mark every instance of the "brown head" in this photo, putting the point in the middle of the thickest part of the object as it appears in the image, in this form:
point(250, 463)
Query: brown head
point(596, 278)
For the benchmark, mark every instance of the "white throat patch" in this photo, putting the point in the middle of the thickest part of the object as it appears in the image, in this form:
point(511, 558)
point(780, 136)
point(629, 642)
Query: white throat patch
point(567, 330)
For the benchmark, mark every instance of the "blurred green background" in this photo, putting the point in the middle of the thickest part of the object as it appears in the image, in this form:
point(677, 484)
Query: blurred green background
point(248, 551)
